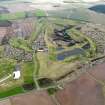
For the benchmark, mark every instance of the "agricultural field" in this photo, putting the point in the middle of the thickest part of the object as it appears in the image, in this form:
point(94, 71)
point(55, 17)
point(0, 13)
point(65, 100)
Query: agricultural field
point(54, 49)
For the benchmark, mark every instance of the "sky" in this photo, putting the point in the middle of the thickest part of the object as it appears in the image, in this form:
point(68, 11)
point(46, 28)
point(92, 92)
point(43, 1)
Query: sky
point(60, 1)
point(54, 1)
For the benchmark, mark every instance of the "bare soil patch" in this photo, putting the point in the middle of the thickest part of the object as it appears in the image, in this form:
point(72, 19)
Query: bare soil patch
point(83, 91)
point(32, 98)
point(98, 72)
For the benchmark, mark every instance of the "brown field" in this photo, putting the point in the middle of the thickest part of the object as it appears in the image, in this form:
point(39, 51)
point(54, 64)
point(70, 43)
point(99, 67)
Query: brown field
point(26, 27)
point(99, 72)
point(32, 98)
point(85, 90)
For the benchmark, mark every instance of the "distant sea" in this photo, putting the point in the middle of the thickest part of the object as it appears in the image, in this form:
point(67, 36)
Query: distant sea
point(98, 8)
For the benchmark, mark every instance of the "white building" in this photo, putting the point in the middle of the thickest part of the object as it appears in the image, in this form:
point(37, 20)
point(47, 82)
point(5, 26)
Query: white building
point(16, 74)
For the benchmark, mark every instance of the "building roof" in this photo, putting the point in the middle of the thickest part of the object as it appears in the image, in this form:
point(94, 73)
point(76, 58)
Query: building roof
point(16, 74)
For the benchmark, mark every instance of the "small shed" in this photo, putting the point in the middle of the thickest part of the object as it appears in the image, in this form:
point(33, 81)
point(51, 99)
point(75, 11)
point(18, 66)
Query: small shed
point(16, 75)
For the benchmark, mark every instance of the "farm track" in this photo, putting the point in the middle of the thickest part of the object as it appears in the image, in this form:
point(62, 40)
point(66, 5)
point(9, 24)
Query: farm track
point(36, 70)
point(2, 80)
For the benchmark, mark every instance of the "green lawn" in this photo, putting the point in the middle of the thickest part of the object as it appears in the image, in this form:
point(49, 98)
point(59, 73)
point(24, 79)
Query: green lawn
point(27, 71)
point(11, 92)
point(40, 13)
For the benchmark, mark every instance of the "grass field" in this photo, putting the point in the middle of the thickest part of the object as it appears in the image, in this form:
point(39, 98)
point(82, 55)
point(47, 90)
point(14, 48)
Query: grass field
point(43, 61)
point(12, 16)
point(27, 71)
point(11, 92)
point(12, 87)
point(40, 13)
point(6, 67)
point(21, 15)
point(53, 69)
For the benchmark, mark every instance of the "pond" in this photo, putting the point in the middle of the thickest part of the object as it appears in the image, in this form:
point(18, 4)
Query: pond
point(5, 23)
point(29, 86)
point(86, 46)
point(60, 48)
point(76, 51)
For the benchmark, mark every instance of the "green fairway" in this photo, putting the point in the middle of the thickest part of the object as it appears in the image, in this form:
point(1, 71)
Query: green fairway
point(27, 71)
point(40, 13)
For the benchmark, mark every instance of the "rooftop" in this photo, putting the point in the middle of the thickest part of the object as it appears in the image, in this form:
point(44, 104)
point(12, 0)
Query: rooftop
point(16, 74)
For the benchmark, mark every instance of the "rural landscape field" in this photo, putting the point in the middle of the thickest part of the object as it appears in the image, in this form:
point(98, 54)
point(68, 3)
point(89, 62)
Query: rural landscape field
point(52, 52)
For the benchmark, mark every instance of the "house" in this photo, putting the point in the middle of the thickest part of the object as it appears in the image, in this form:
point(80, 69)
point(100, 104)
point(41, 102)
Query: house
point(16, 73)
point(40, 44)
